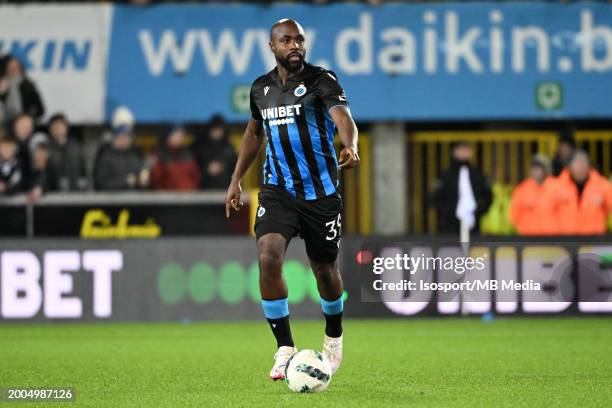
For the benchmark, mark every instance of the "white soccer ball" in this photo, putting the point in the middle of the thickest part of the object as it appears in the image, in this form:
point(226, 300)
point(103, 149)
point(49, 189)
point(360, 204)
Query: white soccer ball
point(308, 371)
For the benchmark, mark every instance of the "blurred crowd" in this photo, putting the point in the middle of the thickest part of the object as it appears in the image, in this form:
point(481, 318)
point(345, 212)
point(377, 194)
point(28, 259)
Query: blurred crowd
point(565, 195)
point(562, 196)
point(175, 165)
point(38, 157)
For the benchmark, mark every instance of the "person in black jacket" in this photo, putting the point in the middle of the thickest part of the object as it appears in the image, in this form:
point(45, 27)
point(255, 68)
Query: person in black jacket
point(23, 131)
point(11, 176)
point(119, 165)
point(44, 174)
point(462, 192)
point(18, 94)
point(565, 151)
point(66, 155)
point(215, 155)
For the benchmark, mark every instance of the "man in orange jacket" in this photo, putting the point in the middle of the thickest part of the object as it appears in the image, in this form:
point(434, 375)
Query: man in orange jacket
point(528, 210)
point(581, 199)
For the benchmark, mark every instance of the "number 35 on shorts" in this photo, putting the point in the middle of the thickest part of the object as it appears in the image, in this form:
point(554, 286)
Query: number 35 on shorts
point(333, 229)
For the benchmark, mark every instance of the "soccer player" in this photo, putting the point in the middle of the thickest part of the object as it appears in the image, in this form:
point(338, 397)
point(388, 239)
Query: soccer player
point(298, 107)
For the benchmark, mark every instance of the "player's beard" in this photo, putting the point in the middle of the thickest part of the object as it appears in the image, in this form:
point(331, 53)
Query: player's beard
point(290, 66)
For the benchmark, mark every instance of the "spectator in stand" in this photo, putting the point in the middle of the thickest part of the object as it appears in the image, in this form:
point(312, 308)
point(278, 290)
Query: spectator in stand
point(44, 174)
point(119, 165)
point(122, 116)
point(175, 166)
point(462, 193)
point(565, 152)
point(18, 94)
point(66, 155)
point(216, 156)
point(528, 211)
point(23, 130)
point(581, 198)
point(11, 177)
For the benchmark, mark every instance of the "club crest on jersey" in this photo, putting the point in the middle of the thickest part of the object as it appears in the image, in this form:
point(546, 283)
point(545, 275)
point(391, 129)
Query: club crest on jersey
point(261, 211)
point(300, 90)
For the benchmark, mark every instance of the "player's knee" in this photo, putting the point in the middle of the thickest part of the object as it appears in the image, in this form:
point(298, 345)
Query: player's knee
point(326, 273)
point(271, 250)
point(270, 263)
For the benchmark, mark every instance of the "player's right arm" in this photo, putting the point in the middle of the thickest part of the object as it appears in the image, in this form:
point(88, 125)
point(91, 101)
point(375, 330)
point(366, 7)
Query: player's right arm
point(251, 142)
point(335, 101)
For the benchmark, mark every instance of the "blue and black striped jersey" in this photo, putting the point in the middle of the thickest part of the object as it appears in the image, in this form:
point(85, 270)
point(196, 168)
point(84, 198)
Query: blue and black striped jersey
point(300, 155)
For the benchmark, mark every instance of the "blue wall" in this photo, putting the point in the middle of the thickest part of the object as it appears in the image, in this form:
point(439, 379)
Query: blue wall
point(411, 62)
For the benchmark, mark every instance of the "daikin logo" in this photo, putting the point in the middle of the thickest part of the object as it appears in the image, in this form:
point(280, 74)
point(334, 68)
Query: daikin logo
point(439, 41)
point(49, 55)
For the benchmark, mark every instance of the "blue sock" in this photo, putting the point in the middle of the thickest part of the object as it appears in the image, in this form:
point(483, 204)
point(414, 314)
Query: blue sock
point(332, 307)
point(277, 314)
point(332, 310)
point(275, 309)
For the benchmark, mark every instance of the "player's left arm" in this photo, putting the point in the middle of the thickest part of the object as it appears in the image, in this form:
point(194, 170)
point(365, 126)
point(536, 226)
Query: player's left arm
point(335, 101)
point(348, 133)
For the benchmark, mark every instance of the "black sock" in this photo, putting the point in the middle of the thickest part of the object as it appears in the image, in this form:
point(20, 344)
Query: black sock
point(333, 325)
point(282, 331)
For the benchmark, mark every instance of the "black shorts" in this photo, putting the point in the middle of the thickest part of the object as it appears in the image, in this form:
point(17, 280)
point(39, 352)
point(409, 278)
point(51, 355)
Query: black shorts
point(318, 222)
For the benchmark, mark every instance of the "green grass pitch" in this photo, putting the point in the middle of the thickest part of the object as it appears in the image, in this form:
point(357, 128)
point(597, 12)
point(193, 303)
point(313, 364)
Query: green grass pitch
point(557, 362)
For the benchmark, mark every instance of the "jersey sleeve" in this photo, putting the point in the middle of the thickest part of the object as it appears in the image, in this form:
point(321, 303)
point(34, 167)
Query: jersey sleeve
point(255, 114)
point(330, 90)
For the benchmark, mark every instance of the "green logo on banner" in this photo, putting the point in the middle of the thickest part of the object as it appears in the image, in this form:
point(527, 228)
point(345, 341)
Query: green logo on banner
point(241, 100)
point(202, 283)
point(172, 283)
point(549, 96)
point(231, 283)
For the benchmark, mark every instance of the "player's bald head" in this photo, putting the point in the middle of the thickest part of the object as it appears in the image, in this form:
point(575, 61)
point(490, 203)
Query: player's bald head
point(288, 44)
point(282, 26)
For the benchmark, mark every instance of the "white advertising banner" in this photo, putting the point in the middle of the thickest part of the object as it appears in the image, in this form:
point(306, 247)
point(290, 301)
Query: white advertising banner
point(64, 51)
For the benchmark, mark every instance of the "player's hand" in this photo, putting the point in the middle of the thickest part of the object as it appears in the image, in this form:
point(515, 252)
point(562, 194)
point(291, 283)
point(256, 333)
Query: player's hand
point(348, 158)
point(232, 199)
